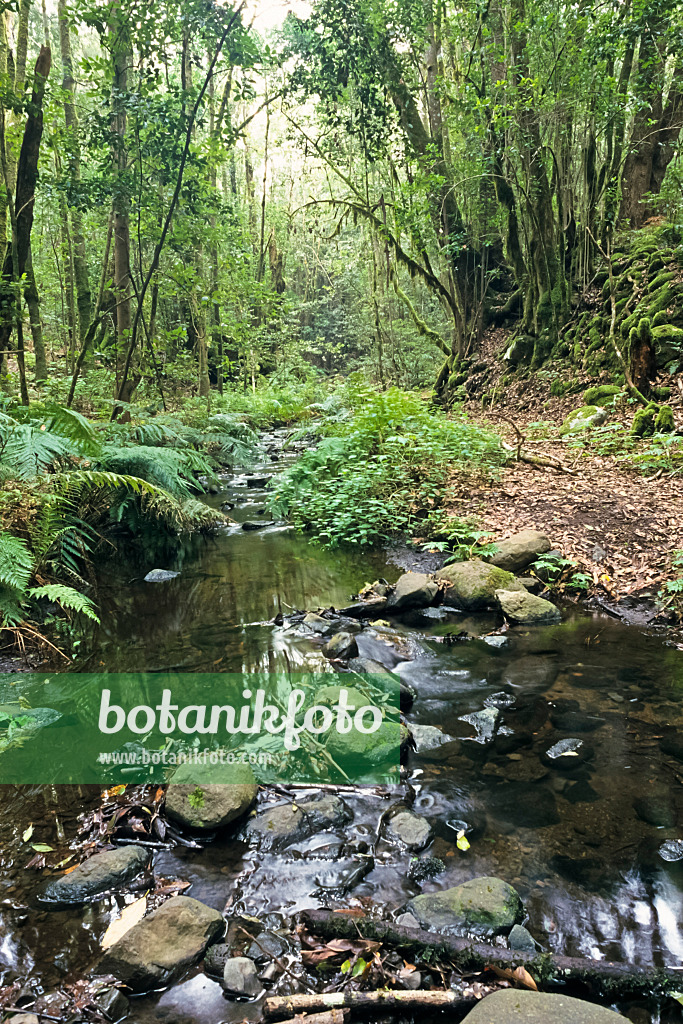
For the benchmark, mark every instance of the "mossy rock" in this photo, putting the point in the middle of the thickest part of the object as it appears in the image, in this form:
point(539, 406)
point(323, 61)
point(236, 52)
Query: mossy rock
point(661, 279)
point(520, 350)
point(668, 341)
point(602, 394)
point(661, 394)
point(664, 422)
point(473, 584)
point(644, 421)
point(656, 263)
point(660, 318)
point(585, 418)
point(483, 906)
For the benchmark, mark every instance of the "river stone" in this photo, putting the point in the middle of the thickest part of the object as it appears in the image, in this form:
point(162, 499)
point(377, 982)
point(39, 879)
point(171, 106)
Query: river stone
point(268, 946)
point(279, 827)
point(341, 645)
point(522, 607)
point(483, 722)
point(585, 418)
point(484, 906)
point(655, 807)
point(473, 584)
point(240, 977)
point(96, 876)
point(343, 875)
point(214, 961)
point(671, 851)
point(428, 737)
point(525, 805)
point(219, 804)
point(409, 829)
point(163, 945)
point(522, 940)
point(318, 624)
point(517, 1006)
point(520, 550)
point(672, 744)
point(575, 721)
point(413, 590)
point(567, 754)
point(253, 524)
point(160, 576)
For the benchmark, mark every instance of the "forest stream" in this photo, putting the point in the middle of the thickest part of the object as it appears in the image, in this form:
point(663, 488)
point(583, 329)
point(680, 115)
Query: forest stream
point(594, 851)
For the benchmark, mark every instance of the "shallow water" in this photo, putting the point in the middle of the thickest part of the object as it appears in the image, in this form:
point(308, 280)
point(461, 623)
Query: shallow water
point(563, 830)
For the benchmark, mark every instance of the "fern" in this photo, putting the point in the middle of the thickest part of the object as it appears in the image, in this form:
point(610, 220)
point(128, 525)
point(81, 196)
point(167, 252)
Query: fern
point(168, 468)
point(67, 597)
point(16, 562)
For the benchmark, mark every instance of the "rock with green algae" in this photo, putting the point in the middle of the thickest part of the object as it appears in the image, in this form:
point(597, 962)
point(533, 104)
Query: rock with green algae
point(664, 422)
point(668, 342)
point(482, 906)
point(516, 1006)
point(472, 585)
point(585, 418)
point(601, 395)
point(209, 796)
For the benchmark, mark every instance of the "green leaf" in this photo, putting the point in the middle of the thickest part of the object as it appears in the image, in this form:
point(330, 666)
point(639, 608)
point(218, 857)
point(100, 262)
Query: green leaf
point(42, 848)
point(27, 834)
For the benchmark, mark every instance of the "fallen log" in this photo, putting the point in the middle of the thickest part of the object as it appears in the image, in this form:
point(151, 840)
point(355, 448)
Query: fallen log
point(340, 1016)
point(467, 954)
point(284, 1008)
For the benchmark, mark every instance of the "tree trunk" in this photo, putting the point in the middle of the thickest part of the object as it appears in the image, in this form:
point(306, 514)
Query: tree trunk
point(121, 55)
point(33, 303)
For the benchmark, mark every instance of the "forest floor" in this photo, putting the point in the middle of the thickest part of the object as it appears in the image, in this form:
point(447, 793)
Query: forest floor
point(616, 523)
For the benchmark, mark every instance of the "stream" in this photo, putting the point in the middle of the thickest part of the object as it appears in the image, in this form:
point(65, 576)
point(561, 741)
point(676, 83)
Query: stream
point(580, 844)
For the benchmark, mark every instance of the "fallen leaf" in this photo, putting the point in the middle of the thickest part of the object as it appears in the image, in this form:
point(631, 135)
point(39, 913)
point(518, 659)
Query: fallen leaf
point(27, 834)
point(130, 916)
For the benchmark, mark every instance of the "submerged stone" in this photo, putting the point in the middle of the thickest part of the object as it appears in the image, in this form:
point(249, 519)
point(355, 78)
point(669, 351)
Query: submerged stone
point(281, 826)
point(671, 850)
point(482, 906)
point(567, 754)
point(96, 876)
point(160, 576)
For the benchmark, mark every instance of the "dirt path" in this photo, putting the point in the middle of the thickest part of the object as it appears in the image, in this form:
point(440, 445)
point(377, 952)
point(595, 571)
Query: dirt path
point(620, 526)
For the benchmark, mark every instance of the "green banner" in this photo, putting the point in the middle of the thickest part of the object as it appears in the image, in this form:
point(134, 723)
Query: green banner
point(110, 728)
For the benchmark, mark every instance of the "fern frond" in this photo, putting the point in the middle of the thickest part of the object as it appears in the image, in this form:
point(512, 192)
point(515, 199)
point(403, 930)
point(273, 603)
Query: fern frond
point(16, 562)
point(67, 597)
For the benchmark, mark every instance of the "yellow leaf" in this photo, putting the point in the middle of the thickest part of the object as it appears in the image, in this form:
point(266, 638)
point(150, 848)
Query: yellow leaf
point(131, 914)
point(462, 841)
point(521, 975)
point(113, 791)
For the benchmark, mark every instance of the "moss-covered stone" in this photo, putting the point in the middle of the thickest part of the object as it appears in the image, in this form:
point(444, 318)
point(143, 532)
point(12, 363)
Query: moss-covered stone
point(484, 906)
point(585, 418)
point(661, 279)
point(644, 421)
point(664, 422)
point(668, 342)
point(601, 395)
point(472, 585)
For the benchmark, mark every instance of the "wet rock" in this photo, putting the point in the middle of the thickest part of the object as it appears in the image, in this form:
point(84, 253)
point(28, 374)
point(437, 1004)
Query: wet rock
point(671, 851)
point(163, 945)
point(672, 744)
point(411, 830)
point(160, 576)
point(516, 1006)
point(521, 940)
point(281, 826)
point(365, 609)
point(581, 793)
point(253, 524)
point(216, 956)
point(421, 869)
point(269, 946)
point(473, 584)
point(585, 418)
point(344, 875)
point(407, 696)
point(520, 550)
point(413, 590)
point(527, 769)
point(112, 1003)
point(319, 624)
point(210, 805)
point(96, 876)
point(655, 807)
point(429, 737)
point(240, 977)
point(341, 645)
point(528, 806)
point(409, 920)
point(484, 723)
point(524, 608)
point(575, 721)
point(567, 754)
point(482, 906)
point(258, 481)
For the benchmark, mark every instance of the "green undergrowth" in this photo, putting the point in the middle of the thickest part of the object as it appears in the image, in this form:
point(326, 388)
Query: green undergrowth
point(660, 452)
point(378, 466)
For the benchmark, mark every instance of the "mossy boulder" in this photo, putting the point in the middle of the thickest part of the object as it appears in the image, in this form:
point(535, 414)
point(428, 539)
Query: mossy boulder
point(526, 609)
point(664, 421)
point(472, 585)
point(644, 421)
point(585, 418)
point(520, 350)
point(516, 1006)
point(482, 906)
point(601, 395)
point(209, 796)
point(668, 341)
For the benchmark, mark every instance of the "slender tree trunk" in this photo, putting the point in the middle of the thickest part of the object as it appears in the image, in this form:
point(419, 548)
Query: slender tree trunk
point(121, 54)
point(33, 303)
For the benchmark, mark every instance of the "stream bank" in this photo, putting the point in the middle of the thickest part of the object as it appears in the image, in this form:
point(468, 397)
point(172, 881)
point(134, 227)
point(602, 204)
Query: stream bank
point(578, 834)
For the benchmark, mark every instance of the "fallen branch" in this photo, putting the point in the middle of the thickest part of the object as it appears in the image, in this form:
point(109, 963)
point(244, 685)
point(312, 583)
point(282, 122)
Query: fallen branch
point(536, 460)
point(468, 954)
point(285, 1007)
point(328, 1017)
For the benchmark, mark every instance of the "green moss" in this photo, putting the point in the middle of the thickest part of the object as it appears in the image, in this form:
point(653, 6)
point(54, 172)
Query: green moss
point(665, 423)
point(644, 421)
point(661, 394)
point(656, 263)
point(660, 280)
point(645, 330)
point(601, 395)
point(660, 318)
